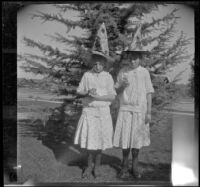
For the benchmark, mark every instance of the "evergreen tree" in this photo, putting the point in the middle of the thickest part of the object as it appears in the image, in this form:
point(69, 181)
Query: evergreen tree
point(191, 80)
point(69, 68)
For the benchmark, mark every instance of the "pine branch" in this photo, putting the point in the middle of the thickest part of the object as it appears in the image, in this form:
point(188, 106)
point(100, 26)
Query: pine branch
point(36, 65)
point(177, 47)
point(35, 70)
point(172, 55)
point(46, 49)
point(58, 18)
point(81, 41)
point(165, 19)
point(138, 10)
point(62, 39)
point(177, 77)
point(74, 42)
point(50, 62)
point(66, 7)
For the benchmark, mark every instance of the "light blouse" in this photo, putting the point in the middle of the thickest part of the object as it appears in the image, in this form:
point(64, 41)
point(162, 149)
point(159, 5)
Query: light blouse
point(102, 82)
point(139, 85)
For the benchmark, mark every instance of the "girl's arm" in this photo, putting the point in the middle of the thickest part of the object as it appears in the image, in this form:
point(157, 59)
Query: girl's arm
point(148, 113)
point(121, 84)
point(149, 102)
point(87, 93)
point(82, 90)
point(120, 88)
point(82, 93)
point(149, 91)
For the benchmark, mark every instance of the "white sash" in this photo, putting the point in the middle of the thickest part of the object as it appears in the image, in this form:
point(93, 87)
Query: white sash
point(130, 108)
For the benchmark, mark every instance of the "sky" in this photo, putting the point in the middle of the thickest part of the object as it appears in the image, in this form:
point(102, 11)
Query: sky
point(36, 30)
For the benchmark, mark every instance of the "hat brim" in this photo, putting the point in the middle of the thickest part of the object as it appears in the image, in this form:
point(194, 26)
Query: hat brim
point(136, 52)
point(107, 58)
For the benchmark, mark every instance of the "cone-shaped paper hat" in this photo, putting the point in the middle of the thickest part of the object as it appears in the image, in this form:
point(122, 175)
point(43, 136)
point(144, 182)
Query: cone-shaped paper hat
point(136, 47)
point(100, 46)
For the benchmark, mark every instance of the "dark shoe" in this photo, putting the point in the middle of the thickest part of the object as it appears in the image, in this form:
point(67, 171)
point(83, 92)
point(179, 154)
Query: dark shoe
point(123, 173)
point(97, 171)
point(87, 173)
point(136, 174)
point(135, 169)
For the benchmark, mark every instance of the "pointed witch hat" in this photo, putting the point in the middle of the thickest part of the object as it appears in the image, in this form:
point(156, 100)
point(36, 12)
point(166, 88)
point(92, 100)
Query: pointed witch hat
point(136, 47)
point(100, 46)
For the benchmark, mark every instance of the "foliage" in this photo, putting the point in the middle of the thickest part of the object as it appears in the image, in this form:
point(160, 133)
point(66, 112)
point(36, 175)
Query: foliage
point(191, 81)
point(64, 119)
point(166, 52)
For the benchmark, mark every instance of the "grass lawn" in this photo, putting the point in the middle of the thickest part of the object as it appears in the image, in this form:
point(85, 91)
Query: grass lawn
point(59, 162)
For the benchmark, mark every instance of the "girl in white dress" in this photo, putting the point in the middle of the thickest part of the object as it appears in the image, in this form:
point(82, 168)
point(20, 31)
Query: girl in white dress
point(132, 129)
point(95, 129)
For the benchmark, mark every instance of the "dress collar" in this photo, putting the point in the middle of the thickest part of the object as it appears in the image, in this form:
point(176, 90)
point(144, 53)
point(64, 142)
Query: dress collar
point(135, 70)
point(97, 74)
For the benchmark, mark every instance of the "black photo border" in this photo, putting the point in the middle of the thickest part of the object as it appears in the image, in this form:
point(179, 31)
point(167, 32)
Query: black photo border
point(9, 86)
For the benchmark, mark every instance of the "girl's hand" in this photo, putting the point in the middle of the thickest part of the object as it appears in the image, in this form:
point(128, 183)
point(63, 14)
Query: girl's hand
point(92, 91)
point(87, 100)
point(94, 96)
point(147, 118)
point(125, 82)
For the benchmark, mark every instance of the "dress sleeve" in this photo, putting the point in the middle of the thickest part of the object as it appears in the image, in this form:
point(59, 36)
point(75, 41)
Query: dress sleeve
point(119, 79)
point(148, 83)
point(110, 85)
point(83, 84)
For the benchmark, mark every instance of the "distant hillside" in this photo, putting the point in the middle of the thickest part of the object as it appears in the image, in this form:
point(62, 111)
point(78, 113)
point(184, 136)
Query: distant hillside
point(43, 84)
point(22, 82)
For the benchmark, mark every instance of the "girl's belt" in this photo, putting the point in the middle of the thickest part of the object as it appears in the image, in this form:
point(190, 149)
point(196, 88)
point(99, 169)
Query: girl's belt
point(130, 108)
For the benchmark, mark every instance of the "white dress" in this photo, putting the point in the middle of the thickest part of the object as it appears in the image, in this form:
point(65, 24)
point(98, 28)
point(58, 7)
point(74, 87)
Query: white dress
point(131, 130)
point(95, 128)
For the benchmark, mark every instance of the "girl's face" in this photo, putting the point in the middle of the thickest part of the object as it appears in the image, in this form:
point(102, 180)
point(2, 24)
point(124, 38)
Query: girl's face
point(131, 62)
point(98, 67)
point(134, 63)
